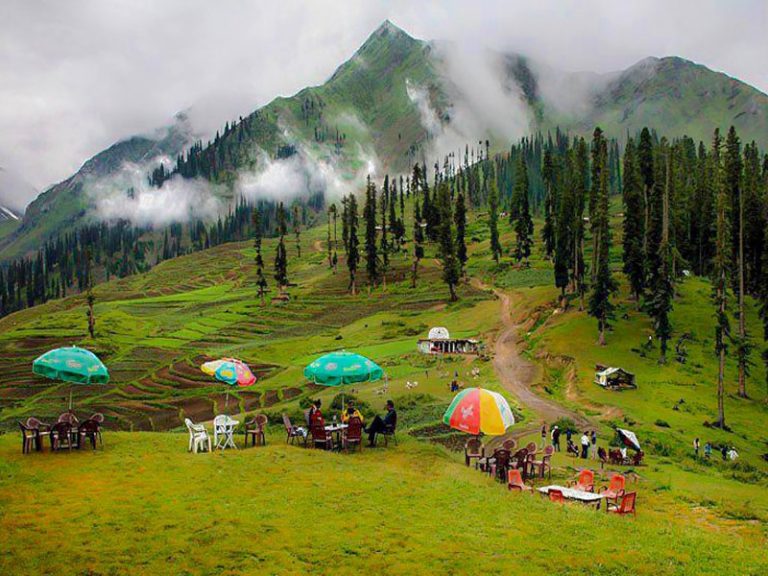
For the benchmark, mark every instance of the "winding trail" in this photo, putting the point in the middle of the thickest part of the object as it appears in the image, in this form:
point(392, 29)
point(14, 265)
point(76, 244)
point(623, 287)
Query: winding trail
point(518, 374)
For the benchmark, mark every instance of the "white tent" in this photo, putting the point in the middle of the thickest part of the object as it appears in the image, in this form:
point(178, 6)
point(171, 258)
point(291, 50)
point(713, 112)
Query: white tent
point(439, 333)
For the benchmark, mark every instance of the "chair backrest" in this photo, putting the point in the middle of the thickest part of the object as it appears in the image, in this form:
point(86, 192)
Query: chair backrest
point(62, 430)
point(97, 417)
point(637, 458)
point(549, 450)
point(67, 417)
point(514, 477)
point(34, 423)
point(392, 425)
point(88, 427)
point(25, 428)
point(287, 423)
point(509, 444)
point(531, 447)
point(188, 423)
point(473, 447)
point(354, 428)
point(556, 496)
point(502, 457)
point(261, 421)
point(318, 430)
point(521, 456)
point(586, 478)
point(627, 503)
point(618, 482)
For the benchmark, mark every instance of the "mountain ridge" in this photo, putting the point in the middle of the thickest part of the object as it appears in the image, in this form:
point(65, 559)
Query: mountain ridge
point(394, 98)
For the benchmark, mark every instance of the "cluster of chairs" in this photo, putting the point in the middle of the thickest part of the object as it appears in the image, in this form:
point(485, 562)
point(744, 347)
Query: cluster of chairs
point(319, 436)
point(254, 430)
point(528, 462)
point(515, 467)
point(67, 433)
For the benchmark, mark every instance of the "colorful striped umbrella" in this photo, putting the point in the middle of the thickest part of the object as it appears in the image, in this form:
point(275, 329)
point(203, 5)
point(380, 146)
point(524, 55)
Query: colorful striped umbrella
point(230, 371)
point(339, 368)
point(477, 410)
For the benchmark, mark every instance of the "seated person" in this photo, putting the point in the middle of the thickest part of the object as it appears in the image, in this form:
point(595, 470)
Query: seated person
point(350, 412)
point(380, 425)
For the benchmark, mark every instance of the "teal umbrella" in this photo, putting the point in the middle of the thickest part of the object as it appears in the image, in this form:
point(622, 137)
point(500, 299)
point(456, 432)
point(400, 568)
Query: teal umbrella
point(339, 368)
point(71, 364)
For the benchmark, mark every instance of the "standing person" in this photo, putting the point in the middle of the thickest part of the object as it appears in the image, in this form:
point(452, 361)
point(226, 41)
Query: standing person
point(584, 445)
point(556, 437)
point(314, 412)
point(379, 424)
point(593, 439)
point(707, 450)
point(543, 436)
point(696, 449)
point(724, 451)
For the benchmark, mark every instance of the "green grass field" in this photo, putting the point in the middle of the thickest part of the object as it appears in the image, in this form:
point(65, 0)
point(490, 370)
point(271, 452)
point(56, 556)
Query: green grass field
point(143, 505)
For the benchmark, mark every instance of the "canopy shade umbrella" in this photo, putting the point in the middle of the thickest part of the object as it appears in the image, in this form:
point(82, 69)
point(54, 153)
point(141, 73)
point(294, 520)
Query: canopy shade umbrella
point(230, 371)
point(477, 410)
point(71, 364)
point(339, 368)
point(628, 439)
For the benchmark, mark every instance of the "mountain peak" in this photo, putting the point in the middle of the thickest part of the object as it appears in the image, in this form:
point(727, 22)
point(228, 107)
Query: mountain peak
point(386, 33)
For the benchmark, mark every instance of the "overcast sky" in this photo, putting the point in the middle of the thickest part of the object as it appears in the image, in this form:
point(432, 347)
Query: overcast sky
point(78, 75)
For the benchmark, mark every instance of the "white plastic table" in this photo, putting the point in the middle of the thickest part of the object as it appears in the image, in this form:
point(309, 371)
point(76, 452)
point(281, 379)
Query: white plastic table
point(224, 432)
point(573, 494)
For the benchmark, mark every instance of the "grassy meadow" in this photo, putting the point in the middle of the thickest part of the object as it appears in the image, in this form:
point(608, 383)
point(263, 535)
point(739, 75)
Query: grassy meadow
point(144, 505)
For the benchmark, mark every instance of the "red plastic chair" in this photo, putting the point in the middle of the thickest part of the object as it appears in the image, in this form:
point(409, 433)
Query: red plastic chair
point(320, 436)
point(515, 481)
point(255, 429)
point(353, 434)
point(473, 450)
point(615, 488)
point(292, 432)
point(61, 436)
point(556, 496)
point(585, 481)
point(626, 506)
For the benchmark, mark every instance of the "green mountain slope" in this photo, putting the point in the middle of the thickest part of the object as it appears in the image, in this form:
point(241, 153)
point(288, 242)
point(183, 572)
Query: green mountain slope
point(365, 117)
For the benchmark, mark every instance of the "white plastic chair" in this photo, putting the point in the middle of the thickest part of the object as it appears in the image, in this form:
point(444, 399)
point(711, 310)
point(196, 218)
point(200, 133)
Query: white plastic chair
point(224, 432)
point(198, 437)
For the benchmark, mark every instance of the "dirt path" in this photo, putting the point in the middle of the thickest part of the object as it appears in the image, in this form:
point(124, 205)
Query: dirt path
point(518, 374)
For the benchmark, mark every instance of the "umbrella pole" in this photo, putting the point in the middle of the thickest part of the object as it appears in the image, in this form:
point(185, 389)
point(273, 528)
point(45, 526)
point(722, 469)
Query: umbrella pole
point(70, 398)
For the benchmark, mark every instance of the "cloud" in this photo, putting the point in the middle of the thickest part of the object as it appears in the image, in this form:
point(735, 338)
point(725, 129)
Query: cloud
point(128, 196)
point(78, 76)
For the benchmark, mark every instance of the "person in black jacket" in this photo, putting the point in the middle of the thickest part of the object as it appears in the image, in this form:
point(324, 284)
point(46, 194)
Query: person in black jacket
point(379, 424)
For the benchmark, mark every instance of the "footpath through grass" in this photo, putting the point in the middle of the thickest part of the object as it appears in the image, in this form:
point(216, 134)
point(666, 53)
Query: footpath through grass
point(146, 506)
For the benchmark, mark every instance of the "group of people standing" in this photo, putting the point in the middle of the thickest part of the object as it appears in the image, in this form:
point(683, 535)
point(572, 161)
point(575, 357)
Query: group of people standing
point(588, 441)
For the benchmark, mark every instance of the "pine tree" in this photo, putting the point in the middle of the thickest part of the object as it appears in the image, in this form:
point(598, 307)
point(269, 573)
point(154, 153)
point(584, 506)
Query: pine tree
point(385, 247)
point(418, 242)
point(523, 223)
point(493, 219)
point(733, 183)
point(648, 179)
point(89, 297)
point(281, 256)
point(579, 183)
point(548, 232)
point(600, 305)
point(447, 252)
point(353, 251)
point(331, 210)
point(663, 291)
point(564, 232)
point(460, 218)
point(261, 281)
point(297, 229)
point(371, 252)
point(633, 230)
point(720, 268)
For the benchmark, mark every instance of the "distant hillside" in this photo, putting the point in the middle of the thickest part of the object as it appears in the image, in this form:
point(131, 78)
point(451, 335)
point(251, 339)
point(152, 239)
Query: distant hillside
point(394, 101)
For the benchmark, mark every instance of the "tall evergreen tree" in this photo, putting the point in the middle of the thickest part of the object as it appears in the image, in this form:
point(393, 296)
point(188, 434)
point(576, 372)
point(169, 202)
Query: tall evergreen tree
point(600, 305)
point(418, 242)
point(89, 297)
point(523, 223)
point(460, 218)
point(447, 251)
point(733, 183)
point(493, 219)
point(633, 230)
point(371, 251)
point(663, 291)
point(648, 180)
point(353, 243)
point(548, 232)
point(297, 228)
point(261, 281)
point(281, 256)
point(720, 269)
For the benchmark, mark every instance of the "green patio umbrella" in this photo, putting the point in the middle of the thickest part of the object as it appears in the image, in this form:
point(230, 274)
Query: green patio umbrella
point(339, 368)
point(71, 364)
